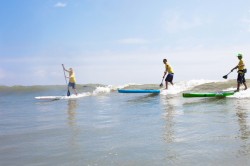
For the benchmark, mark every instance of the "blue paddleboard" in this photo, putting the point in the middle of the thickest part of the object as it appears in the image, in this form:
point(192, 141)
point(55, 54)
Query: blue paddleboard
point(138, 90)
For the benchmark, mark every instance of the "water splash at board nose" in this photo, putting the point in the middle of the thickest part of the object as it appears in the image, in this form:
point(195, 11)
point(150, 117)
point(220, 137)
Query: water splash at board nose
point(101, 90)
point(241, 94)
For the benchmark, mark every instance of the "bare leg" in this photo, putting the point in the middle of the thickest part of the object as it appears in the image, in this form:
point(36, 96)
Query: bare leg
point(245, 85)
point(166, 85)
point(75, 92)
point(238, 87)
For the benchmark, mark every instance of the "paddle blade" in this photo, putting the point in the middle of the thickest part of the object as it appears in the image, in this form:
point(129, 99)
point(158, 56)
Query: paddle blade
point(68, 93)
point(225, 77)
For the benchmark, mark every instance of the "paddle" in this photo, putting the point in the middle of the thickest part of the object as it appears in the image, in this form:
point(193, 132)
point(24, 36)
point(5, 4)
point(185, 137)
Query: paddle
point(161, 82)
point(225, 76)
point(68, 93)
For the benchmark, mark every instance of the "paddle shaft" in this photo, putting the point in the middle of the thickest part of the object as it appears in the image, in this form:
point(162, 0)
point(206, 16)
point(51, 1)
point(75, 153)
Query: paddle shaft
point(229, 73)
point(161, 82)
point(65, 76)
point(68, 93)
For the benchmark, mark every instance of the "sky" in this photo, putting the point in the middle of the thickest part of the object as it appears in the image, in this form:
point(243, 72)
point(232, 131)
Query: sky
point(115, 42)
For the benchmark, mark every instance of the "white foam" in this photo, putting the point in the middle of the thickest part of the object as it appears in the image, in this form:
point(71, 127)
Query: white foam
point(184, 85)
point(171, 90)
point(101, 90)
point(79, 95)
point(241, 94)
point(124, 86)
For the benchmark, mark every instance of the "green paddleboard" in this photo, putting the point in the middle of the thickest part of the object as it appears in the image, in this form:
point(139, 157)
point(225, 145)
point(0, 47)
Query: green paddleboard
point(209, 94)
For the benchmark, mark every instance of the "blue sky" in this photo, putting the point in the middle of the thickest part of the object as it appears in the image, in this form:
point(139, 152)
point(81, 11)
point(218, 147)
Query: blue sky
point(121, 41)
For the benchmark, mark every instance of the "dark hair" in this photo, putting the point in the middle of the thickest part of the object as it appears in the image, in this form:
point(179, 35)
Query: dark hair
point(164, 60)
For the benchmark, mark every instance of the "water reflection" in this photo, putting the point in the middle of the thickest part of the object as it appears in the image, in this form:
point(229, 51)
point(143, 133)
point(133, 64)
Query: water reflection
point(142, 98)
point(169, 134)
point(72, 105)
point(244, 132)
point(72, 122)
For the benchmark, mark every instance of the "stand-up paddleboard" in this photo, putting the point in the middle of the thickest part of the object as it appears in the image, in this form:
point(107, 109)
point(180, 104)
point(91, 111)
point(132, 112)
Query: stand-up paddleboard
point(49, 97)
point(209, 94)
point(61, 97)
point(138, 90)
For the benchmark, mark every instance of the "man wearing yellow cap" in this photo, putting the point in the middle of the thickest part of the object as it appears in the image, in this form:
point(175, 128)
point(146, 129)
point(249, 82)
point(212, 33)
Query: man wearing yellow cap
point(241, 73)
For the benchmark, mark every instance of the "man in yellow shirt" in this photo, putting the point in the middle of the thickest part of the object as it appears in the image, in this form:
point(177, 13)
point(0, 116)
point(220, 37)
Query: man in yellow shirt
point(241, 72)
point(72, 79)
point(170, 71)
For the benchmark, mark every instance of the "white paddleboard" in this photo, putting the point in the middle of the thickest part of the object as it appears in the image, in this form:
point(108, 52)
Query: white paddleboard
point(62, 97)
point(48, 97)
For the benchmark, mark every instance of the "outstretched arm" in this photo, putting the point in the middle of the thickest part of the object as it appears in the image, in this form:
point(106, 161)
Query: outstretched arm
point(164, 74)
point(234, 68)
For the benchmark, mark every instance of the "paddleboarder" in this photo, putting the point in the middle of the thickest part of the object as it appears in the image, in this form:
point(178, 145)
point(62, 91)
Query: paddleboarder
point(241, 73)
point(72, 79)
point(168, 70)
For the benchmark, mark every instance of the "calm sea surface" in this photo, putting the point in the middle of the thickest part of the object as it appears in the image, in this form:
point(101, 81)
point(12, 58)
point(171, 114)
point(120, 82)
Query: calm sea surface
point(107, 128)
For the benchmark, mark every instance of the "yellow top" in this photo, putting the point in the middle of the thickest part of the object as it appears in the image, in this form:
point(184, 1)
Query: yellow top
point(72, 77)
point(241, 65)
point(169, 69)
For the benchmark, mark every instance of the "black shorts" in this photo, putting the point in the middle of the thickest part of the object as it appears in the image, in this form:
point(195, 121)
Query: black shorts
point(169, 77)
point(241, 78)
point(73, 85)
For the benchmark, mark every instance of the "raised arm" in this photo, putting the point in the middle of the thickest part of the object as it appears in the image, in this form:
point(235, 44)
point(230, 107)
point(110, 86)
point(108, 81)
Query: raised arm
point(64, 68)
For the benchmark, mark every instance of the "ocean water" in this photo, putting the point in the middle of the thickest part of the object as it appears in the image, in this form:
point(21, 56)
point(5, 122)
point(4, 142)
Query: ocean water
point(105, 128)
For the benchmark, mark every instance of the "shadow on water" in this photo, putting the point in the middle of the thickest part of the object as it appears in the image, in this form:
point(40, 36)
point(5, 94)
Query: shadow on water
point(142, 98)
point(208, 100)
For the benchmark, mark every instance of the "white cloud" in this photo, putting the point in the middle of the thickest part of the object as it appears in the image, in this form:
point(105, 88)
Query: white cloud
point(177, 22)
point(133, 41)
point(117, 68)
point(60, 5)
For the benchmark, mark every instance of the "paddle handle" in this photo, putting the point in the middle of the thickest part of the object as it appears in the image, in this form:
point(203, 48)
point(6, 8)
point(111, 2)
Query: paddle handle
point(161, 82)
